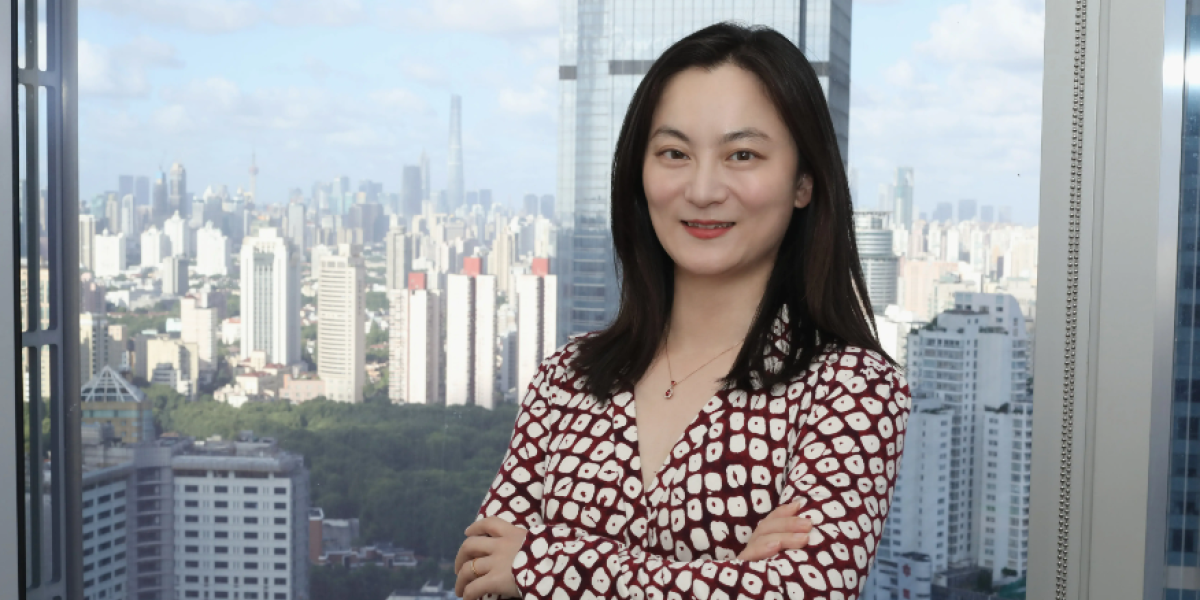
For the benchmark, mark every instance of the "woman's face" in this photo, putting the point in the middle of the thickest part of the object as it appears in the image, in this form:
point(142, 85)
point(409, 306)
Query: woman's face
point(720, 173)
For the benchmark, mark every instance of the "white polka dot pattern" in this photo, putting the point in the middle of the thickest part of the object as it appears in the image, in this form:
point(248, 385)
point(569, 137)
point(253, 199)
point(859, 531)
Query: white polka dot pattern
point(572, 476)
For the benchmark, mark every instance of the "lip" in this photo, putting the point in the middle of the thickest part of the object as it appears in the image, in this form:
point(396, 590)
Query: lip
point(706, 234)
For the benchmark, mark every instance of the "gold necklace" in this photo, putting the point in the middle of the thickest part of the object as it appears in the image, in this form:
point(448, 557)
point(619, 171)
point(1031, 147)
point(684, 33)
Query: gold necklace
point(666, 350)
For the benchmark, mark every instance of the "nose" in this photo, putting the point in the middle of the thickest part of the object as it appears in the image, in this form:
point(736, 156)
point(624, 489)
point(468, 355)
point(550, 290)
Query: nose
point(708, 184)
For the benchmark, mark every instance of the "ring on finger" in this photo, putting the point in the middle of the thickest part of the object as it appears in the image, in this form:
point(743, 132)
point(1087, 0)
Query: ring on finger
point(473, 566)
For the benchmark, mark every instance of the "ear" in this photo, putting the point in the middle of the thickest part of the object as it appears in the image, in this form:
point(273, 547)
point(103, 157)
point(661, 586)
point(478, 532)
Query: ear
point(804, 188)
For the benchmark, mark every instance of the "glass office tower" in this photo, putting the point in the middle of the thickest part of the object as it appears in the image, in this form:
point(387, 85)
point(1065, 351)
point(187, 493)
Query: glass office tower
point(1183, 509)
point(606, 46)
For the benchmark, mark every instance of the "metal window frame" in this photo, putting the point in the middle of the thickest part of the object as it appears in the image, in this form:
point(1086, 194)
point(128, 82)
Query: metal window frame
point(1108, 215)
point(62, 527)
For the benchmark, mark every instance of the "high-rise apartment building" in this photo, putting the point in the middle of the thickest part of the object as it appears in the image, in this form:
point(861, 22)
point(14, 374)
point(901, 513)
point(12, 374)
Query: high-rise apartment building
point(454, 165)
point(96, 350)
point(155, 246)
point(181, 235)
point(536, 320)
point(129, 218)
point(974, 360)
point(917, 521)
point(111, 256)
point(341, 313)
point(270, 299)
point(471, 336)
point(605, 48)
point(415, 350)
point(212, 252)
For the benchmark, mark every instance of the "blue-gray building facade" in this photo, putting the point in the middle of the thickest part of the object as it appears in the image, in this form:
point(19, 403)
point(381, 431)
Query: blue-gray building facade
point(606, 46)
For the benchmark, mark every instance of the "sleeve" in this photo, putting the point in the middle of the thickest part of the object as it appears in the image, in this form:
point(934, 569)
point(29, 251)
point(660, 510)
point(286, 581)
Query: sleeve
point(842, 464)
point(516, 491)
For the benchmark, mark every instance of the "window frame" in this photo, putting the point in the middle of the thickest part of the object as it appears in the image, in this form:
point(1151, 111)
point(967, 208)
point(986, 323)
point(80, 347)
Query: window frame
point(1103, 389)
point(63, 576)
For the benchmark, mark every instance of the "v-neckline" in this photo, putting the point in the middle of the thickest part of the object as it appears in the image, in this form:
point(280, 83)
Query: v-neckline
point(637, 443)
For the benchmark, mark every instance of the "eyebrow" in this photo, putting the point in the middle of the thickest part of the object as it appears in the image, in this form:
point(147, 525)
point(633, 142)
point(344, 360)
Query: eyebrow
point(732, 136)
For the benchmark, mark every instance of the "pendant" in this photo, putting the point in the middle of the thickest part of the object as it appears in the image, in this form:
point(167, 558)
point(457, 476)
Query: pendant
point(670, 391)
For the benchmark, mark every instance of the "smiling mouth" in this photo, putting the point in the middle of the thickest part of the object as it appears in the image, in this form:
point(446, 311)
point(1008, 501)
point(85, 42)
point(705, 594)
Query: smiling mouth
point(708, 224)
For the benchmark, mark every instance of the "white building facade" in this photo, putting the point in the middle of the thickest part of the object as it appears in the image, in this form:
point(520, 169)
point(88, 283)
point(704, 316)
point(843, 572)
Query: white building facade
point(471, 336)
point(270, 302)
point(341, 342)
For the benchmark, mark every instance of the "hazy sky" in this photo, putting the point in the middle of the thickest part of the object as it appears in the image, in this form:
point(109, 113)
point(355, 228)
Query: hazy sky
point(321, 88)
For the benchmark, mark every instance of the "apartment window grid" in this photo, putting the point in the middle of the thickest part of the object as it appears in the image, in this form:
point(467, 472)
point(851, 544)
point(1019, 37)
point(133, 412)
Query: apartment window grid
point(46, 249)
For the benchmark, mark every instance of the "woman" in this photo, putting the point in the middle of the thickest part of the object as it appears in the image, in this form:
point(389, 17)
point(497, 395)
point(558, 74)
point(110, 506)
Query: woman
point(736, 430)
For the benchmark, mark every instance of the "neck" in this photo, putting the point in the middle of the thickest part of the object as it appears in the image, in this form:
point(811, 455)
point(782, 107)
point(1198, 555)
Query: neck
point(709, 314)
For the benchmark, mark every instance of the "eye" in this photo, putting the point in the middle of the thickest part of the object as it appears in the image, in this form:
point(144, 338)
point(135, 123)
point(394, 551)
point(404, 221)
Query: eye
point(674, 154)
point(742, 155)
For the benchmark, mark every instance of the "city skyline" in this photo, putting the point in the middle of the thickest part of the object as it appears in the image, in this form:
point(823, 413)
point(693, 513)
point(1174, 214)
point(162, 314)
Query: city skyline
point(503, 59)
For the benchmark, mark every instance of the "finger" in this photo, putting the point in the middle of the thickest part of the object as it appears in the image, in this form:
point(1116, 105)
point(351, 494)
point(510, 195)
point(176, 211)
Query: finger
point(466, 576)
point(482, 527)
point(782, 525)
point(788, 541)
point(477, 586)
point(787, 508)
point(473, 547)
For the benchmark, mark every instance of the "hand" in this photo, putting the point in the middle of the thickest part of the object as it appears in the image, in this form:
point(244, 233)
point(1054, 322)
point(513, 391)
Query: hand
point(493, 544)
point(779, 530)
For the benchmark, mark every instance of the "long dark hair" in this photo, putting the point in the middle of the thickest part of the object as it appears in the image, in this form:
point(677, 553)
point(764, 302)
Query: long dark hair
point(817, 273)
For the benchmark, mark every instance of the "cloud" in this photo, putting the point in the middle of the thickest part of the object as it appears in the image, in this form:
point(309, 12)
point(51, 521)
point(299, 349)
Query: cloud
point(1003, 33)
point(223, 16)
point(210, 16)
point(535, 101)
point(481, 16)
point(122, 70)
point(962, 107)
point(425, 73)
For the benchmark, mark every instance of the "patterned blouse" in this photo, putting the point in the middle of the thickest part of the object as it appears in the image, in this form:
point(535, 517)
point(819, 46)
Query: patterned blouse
point(572, 477)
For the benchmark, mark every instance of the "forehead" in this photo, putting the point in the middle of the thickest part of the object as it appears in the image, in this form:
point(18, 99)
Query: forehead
point(721, 99)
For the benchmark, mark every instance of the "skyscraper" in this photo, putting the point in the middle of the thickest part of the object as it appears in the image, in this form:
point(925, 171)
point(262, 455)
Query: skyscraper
point(296, 222)
point(199, 326)
point(471, 336)
point(880, 266)
point(110, 254)
point(124, 185)
point(966, 210)
point(943, 212)
point(536, 320)
point(425, 191)
point(398, 259)
point(180, 234)
point(902, 197)
point(454, 164)
point(605, 47)
point(212, 252)
point(160, 206)
point(174, 273)
point(155, 246)
point(341, 341)
point(177, 196)
point(411, 193)
point(141, 190)
point(270, 299)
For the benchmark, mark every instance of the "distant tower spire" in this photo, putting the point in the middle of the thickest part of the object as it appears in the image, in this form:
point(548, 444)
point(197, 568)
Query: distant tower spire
point(253, 178)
